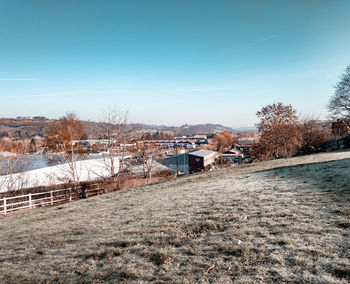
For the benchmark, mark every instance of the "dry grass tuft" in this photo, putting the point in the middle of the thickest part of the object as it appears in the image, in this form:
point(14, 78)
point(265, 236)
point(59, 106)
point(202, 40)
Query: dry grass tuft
point(341, 270)
point(345, 224)
point(158, 257)
point(241, 250)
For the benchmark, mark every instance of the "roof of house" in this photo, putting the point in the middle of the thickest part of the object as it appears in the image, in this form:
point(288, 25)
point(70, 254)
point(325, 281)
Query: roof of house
point(234, 151)
point(202, 153)
point(156, 168)
point(202, 136)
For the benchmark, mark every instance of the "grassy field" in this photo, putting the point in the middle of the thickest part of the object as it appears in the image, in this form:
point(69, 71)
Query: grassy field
point(272, 222)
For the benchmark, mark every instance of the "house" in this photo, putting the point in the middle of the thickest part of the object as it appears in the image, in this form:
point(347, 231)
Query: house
point(336, 143)
point(210, 138)
point(248, 139)
point(176, 151)
point(200, 137)
point(191, 147)
point(156, 168)
point(233, 156)
point(202, 159)
point(340, 128)
point(235, 151)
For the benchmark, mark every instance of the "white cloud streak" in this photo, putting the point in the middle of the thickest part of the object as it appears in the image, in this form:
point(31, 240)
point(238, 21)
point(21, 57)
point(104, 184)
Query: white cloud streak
point(18, 79)
point(69, 93)
point(262, 40)
point(199, 89)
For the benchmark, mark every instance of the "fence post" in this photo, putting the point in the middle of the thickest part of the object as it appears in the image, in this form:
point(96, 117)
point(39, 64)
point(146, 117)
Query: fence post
point(51, 197)
point(30, 200)
point(70, 194)
point(98, 189)
point(5, 209)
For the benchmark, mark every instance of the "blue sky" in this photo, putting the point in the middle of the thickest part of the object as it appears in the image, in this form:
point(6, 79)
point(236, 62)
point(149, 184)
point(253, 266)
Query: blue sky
point(170, 61)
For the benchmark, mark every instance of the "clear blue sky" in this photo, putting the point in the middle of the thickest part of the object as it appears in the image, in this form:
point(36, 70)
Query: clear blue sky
point(170, 61)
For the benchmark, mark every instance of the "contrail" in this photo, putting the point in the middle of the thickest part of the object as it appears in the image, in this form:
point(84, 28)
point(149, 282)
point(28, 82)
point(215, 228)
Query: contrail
point(262, 40)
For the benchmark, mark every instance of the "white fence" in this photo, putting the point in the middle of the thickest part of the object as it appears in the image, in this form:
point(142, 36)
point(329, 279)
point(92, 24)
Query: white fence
point(47, 198)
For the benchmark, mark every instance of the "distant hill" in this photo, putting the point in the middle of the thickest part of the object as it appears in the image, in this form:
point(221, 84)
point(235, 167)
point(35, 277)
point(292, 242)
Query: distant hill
point(247, 129)
point(188, 129)
point(22, 127)
point(29, 127)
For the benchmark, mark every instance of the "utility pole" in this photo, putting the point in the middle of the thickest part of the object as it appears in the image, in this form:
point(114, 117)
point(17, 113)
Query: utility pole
point(177, 163)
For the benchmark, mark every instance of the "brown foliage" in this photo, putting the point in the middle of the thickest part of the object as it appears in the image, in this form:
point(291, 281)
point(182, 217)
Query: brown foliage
point(61, 137)
point(223, 141)
point(209, 147)
point(62, 133)
point(280, 136)
point(17, 147)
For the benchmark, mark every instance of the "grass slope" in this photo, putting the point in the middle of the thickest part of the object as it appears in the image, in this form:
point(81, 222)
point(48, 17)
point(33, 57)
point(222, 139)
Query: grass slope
point(277, 221)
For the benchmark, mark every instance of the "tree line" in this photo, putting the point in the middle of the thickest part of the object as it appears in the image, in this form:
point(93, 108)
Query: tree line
point(283, 134)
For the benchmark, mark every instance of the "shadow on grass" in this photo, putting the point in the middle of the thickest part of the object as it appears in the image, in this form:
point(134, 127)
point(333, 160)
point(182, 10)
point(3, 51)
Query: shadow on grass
point(331, 176)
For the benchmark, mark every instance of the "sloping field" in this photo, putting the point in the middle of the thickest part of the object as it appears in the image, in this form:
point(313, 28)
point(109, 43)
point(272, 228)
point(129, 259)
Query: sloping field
point(272, 222)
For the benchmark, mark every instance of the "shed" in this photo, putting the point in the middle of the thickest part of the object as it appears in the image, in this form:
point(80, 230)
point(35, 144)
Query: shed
point(199, 160)
point(176, 163)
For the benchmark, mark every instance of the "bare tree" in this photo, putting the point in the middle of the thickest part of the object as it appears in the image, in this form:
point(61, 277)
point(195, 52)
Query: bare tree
point(279, 133)
point(146, 154)
point(116, 131)
point(13, 172)
point(339, 103)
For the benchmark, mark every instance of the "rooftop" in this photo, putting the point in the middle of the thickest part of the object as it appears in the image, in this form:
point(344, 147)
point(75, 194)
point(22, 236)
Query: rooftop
point(202, 153)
